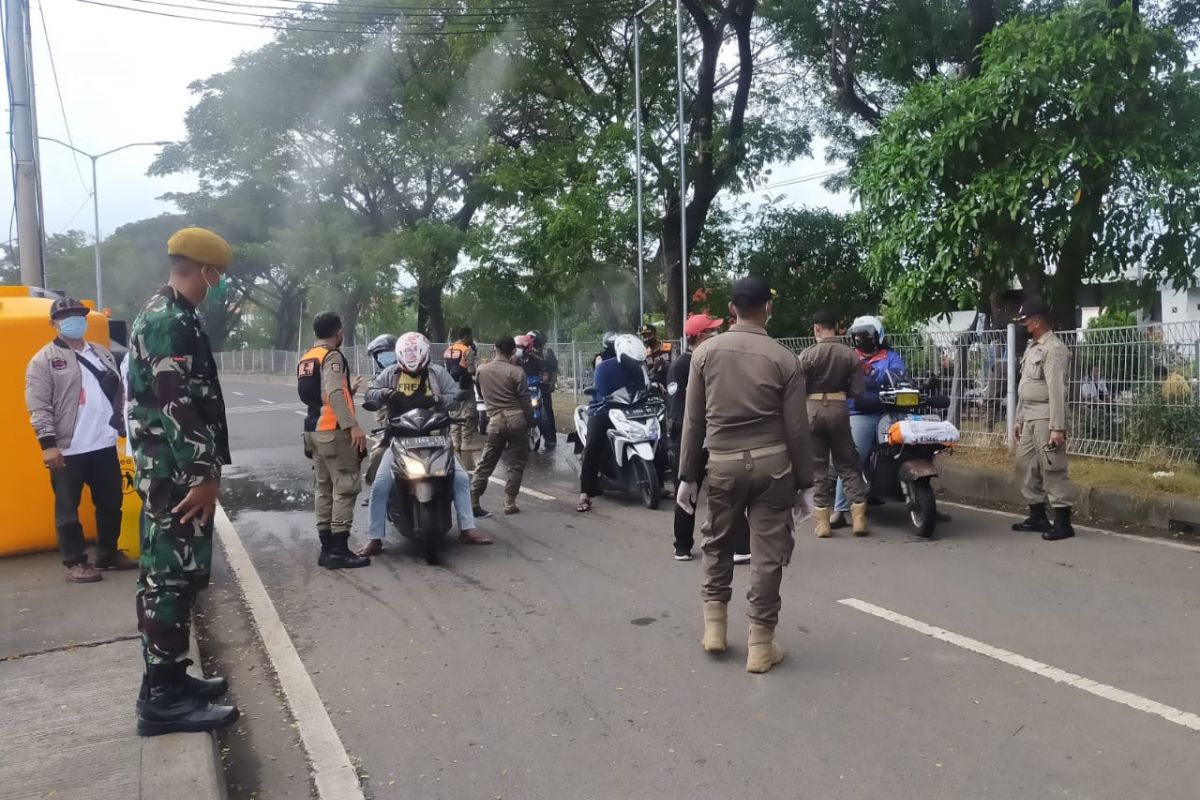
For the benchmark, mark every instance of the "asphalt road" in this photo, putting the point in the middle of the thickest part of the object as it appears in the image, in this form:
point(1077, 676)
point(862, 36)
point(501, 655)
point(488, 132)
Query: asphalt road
point(564, 662)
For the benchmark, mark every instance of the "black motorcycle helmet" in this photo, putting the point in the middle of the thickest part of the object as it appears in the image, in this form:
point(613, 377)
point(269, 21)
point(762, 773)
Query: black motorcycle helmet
point(539, 338)
point(609, 350)
point(384, 343)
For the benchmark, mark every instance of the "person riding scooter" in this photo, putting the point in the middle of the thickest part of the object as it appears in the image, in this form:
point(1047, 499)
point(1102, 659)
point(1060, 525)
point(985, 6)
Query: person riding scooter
point(413, 382)
point(878, 361)
point(625, 370)
point(607, 350)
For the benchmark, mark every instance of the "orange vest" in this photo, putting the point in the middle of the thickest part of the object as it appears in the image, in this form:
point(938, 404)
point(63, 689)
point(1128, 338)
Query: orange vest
point(309, 387)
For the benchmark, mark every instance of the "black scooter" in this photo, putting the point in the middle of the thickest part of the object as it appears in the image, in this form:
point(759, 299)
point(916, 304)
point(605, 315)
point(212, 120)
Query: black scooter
point(423, 468)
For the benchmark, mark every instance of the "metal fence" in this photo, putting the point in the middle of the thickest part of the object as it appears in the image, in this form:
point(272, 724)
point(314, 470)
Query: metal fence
point(1134, 393)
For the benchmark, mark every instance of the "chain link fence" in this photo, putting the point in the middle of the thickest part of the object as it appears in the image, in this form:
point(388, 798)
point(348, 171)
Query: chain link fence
point(1133, 393)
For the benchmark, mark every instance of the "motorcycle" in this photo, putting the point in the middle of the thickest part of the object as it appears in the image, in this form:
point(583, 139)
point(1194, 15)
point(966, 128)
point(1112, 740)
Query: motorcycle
point(423, 467)
point(628, 464)
point(535, 398)
point(902, 465)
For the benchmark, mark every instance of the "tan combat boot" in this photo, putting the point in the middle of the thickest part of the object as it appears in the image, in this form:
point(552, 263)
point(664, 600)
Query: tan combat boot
point(762, 653)
point(858, 518)
point(510, 505)
point(715, 623)
point(824, 531)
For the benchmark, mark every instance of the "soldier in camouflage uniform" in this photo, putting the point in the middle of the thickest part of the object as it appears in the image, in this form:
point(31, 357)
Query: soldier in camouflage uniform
point(180, 443)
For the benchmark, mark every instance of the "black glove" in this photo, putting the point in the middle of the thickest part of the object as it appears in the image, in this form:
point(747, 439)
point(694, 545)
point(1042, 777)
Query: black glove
point(424, 401)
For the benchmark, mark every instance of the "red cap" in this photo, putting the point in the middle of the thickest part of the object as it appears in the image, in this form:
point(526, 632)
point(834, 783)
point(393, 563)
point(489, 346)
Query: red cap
point(699, 323)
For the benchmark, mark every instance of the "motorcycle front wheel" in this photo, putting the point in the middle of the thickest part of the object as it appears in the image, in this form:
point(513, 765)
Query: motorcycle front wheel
point(429, 532)
point(922, 507)
point(647, 478)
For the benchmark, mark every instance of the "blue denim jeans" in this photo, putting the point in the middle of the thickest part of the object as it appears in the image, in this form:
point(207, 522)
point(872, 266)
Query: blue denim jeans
point(863, 427)
point(382, 487)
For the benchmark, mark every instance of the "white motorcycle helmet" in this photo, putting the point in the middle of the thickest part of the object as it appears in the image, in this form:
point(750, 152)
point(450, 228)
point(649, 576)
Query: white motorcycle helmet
point(631, 351)
point(867, 333)
point(412, 353)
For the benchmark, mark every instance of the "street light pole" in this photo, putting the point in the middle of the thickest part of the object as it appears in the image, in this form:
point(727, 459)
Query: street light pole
point(637, 106)
point(96, 197)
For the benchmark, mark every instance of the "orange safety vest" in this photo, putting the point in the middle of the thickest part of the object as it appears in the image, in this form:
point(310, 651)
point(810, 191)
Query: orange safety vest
point(312, 394)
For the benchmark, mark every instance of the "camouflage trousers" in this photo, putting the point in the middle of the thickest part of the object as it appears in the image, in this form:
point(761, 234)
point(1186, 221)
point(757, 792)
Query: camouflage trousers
point(176, 562)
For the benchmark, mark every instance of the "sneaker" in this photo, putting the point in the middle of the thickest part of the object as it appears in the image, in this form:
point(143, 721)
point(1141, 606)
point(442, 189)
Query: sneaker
point(682, 554)
point(479, 512)
point(83, 573)
point(741, 558)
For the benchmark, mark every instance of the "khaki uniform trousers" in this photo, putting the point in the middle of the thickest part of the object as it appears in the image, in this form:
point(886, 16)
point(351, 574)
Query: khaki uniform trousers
point(762, 489)
point(1043, 472)
point(832, 440)
point(337, 469)
point(466, 437)
point(508, 432)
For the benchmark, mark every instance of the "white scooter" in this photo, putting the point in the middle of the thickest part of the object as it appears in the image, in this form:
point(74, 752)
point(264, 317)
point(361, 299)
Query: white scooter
point(628, 463)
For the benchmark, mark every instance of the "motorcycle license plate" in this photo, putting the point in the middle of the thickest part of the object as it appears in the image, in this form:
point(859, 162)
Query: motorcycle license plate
point(427, 441)
point(907, 399)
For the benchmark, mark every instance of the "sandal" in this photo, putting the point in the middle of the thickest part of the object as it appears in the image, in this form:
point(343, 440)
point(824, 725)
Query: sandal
point(585, 505)
point(373, 547)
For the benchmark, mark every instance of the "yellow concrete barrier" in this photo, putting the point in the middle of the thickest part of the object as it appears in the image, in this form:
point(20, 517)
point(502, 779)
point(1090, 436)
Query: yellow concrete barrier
point(26, 499)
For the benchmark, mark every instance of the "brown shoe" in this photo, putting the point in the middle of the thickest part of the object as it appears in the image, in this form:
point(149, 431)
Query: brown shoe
point(473, 536)
point(373, 547)
point(116, 560)
point(510, 506)
point(83, 573)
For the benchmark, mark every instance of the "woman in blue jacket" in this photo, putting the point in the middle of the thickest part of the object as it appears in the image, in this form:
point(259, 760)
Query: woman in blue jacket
point(877, 361)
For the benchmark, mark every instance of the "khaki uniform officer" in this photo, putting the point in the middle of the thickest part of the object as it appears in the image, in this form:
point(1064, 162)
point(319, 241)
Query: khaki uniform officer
point(1041, 427)
point(335, 440)
point(510, 413)
point(746, 398)
point(831, 375)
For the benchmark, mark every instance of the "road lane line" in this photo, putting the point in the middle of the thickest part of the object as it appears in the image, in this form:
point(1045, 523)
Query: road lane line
point(301, 413)
point(333, 774)
point(530, 492)
point(268, 402)
point(1183, 718)
point(1131, 536)
point(240, 394)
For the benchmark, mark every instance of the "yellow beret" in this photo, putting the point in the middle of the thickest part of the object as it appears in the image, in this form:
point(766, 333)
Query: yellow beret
point(202, 246)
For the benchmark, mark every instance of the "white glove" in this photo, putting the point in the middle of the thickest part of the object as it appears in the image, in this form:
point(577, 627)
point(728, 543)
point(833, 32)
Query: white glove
point(803, 505)
point(685, 496)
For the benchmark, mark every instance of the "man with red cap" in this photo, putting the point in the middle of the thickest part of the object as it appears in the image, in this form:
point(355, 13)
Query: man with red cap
point(698, 328)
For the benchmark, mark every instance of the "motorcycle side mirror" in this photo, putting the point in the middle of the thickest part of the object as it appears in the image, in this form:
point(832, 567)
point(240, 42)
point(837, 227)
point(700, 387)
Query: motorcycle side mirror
point(590, 391)
point(938, 401)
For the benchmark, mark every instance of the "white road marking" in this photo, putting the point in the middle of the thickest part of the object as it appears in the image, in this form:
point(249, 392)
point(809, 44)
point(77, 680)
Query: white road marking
point(240, 394)
point(1183, 718)
point(301, 413)
point(1131, 536)
point(268, 402)
point(530, 492)
point(333, 774)
point(265, 409)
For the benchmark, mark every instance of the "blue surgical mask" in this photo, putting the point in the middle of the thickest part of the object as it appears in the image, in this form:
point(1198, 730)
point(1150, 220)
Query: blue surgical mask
point(386, 359)
point(73, 327)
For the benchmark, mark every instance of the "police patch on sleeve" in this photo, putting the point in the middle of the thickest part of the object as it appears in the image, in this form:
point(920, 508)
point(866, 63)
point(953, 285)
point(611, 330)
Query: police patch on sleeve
point(672, 388)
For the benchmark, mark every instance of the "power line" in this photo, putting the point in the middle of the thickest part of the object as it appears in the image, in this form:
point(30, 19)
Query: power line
point(399, 10)
point(58, 90)
point(812, 176)
point(82, 206)
point(334, 13)
point(284, 24)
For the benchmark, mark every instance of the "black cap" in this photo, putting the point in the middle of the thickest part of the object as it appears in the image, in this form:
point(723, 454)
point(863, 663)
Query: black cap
point(1033, 308)
point(825, 318)
point(67, 307)
point(648, 330)
point(750, 291)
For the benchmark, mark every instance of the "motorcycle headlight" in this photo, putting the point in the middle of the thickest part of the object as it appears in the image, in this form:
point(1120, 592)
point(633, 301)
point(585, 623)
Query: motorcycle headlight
point(414, 466)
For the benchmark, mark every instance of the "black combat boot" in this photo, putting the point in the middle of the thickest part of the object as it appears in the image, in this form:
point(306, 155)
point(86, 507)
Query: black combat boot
point(1062, 526)
point(336, 553)
point(170, 708)
point(204, 688)
point(1036, 522)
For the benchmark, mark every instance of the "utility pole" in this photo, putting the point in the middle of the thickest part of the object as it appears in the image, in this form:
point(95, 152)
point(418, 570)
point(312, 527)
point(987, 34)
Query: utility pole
point(24, 142)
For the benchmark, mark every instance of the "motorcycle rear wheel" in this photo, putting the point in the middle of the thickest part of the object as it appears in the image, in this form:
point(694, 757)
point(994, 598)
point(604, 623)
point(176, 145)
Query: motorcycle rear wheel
point(922, 508)
point(647, 478)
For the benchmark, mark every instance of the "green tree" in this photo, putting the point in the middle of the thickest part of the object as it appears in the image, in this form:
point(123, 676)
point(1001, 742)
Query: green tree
point(1074, 156)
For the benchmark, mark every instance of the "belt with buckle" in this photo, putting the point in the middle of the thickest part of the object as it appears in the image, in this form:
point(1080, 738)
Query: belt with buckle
point(761, 452)
point(827, 396)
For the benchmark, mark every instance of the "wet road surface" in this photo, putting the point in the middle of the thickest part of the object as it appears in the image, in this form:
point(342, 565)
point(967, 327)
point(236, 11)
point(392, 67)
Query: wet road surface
point(564, 661)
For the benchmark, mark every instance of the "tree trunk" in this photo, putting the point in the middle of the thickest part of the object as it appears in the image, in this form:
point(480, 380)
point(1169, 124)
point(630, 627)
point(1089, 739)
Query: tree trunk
point(431, 319)
point(981, 20)
point(350, 321)
point(604, 306)
point(289, 325)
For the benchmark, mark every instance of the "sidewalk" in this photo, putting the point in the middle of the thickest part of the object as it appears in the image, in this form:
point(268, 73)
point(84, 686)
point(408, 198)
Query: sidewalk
point(70, 666)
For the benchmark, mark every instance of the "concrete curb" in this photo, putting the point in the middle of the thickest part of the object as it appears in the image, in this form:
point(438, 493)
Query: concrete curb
point(183, 764)
point(1160, 513)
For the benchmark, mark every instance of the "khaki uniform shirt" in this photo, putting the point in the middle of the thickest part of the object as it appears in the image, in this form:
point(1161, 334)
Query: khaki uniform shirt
point(504, 389)
point(745, 391)
point(832, 366)
point(1043, 390)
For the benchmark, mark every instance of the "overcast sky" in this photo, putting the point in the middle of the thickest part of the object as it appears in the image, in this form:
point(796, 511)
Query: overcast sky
point(124, 78)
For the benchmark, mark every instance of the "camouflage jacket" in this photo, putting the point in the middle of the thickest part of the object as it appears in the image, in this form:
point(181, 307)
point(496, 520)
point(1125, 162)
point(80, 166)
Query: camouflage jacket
point(177, 414)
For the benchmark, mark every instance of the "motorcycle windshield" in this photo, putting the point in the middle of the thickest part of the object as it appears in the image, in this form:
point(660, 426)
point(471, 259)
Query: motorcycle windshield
point(621, 398)
point(417, 422)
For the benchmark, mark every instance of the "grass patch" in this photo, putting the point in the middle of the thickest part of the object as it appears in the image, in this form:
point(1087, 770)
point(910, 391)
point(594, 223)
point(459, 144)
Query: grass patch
point(1137, 478)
